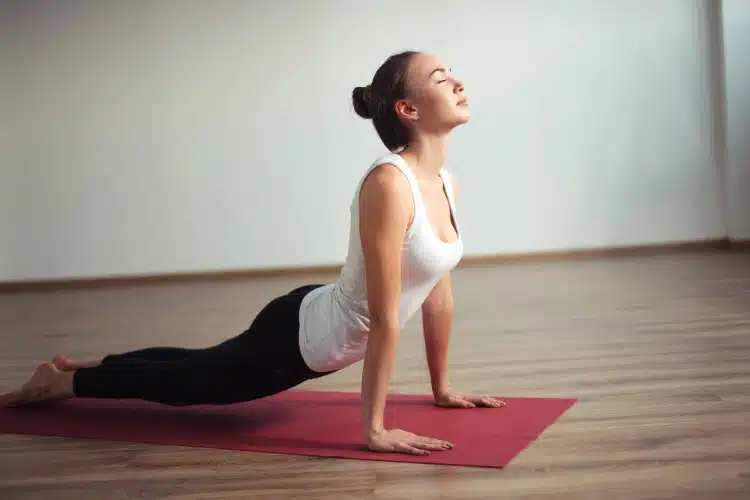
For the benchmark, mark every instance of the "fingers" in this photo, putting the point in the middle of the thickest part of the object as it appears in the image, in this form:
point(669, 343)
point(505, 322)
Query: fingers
point(469, 401)
point(463, 402)
point(424, 448)
point(422, 445)
point(457, 402)
point(491, 402)
point(409, 443)
point(485, 401)
point(411, 450)
point(430, 444)
point(434, 444)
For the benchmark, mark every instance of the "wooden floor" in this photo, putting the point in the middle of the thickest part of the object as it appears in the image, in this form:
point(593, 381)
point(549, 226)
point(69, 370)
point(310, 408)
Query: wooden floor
point(657, 349)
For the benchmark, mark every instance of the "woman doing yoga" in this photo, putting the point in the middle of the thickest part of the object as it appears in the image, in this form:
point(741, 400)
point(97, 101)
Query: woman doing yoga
point(404, 242)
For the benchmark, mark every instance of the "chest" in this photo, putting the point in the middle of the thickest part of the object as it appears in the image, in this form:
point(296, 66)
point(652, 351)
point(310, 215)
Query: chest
point(434, 246)
point(438, 212)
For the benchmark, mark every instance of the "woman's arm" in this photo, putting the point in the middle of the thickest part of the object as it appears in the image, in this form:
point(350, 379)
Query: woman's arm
point(437, 322)
point(386, 209)
point(383, 222)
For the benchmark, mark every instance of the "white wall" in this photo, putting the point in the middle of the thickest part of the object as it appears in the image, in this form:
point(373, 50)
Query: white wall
point(186, 135)
point(736, 27)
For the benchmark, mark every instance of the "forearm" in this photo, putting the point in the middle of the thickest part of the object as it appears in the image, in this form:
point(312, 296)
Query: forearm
point(376, 373)
point(437, 323)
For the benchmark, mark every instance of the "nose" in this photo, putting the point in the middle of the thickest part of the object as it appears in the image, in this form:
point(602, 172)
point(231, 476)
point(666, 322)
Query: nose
point(458, 85)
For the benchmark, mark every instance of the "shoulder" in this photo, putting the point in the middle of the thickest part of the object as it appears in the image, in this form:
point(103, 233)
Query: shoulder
point(385, 183)
point(385, 202)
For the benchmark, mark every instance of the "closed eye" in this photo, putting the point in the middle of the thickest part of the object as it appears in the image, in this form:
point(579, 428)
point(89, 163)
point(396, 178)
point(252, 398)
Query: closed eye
point(444, 72)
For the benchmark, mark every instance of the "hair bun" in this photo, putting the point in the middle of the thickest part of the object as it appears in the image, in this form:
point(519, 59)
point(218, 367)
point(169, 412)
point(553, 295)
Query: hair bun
point(361, 101)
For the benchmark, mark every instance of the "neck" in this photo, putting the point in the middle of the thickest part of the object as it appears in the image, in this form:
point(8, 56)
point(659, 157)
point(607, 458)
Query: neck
point(426, 154)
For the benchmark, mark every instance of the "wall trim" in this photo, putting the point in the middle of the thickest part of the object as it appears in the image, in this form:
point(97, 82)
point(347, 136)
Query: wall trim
point(710, 245)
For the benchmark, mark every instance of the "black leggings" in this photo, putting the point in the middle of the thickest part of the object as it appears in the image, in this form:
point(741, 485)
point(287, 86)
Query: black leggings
point(261, 361)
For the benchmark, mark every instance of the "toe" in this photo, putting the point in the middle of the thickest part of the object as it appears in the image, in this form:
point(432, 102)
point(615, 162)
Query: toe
point(62, 362)
point(11, 399)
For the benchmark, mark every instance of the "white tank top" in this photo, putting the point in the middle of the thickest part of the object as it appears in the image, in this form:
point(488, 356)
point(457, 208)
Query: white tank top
point(334, 319)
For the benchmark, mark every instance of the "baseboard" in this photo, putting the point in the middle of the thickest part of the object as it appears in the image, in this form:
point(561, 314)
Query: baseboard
point(500, 259)
point(739, 245)
point(166, 278)
point(680, 247)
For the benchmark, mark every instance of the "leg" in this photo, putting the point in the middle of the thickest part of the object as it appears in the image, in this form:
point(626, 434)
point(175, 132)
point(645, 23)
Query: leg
point(48, 375)
point(262, 361)
point(66, 363)
point(153, 353)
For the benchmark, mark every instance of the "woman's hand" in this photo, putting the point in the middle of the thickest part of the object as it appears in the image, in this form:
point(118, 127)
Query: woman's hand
point(458, 400)
point(400, 441)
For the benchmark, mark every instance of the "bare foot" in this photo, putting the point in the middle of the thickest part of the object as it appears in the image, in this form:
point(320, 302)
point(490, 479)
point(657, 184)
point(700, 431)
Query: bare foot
point(66, 363)
point(46, 384)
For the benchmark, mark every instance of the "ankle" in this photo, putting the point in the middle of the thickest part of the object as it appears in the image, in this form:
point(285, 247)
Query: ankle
point(63, 384)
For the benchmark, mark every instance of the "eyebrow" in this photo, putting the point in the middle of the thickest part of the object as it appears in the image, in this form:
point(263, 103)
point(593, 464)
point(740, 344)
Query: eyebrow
point(436, 70)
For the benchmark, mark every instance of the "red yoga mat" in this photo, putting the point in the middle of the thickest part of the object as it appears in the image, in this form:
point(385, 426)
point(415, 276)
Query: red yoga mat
point(297, 422)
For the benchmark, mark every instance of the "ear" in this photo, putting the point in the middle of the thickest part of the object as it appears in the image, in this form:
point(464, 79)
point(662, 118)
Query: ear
point(406, 111)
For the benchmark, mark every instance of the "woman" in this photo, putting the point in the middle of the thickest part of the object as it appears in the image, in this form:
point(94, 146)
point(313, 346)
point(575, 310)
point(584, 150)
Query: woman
point(404, 242)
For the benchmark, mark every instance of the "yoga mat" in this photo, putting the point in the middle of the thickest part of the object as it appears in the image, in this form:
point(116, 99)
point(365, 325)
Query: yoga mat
point(298, 422)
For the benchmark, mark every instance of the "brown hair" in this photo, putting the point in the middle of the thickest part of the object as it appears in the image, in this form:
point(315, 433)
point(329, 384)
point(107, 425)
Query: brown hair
point(377, 100)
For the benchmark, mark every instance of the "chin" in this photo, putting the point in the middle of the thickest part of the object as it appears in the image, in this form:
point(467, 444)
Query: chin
point(462, 114)
point(450, 121)
point(462, 118)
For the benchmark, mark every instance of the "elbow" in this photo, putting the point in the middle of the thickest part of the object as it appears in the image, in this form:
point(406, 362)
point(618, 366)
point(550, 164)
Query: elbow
point(439, 308)
point(384, 321)
point(384, 324)
point(381, 344)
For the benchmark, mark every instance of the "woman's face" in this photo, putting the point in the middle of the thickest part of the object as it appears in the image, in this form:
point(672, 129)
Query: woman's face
point(436, 100)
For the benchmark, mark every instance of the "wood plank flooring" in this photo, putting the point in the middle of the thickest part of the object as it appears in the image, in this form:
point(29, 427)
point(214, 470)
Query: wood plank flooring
point(656, 348)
